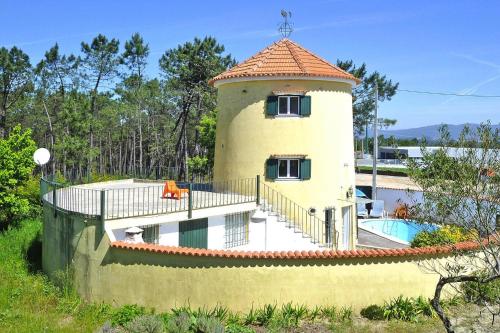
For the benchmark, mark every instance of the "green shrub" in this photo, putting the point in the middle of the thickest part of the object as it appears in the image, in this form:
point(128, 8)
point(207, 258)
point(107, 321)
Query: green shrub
point(329, 313)
point(250, 317)
point(16, 167)
point(446, 235)
point(291, 315)
point(265, 315)
point(31, 191)
point(209, 325)
point(314, 313)
point(401, 308)
point(456, 300)
point(407, 309)
point(423, 306)
point(145, 324)
point(481, 293)
point(218, 312)
point(345, 314)
point(126, 314)
point(373, 312)
point(233, 318)
point(238, 328)
point(180, 322)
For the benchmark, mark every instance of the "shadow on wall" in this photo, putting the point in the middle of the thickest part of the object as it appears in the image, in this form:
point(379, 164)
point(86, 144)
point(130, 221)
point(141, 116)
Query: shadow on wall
point(139, 257)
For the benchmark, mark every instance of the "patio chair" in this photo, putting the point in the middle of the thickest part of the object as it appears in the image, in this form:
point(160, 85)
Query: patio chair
point(377, 209)
point(362, 211)
point(172, 189)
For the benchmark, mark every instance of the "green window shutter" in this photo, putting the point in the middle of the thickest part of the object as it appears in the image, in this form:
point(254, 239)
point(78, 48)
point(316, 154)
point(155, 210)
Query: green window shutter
point(305, 169)
point(272, 106)
point(194, 233)
point(305, 105)
point(272, 168)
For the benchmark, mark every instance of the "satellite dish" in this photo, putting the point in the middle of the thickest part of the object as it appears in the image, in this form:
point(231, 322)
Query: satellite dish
point(41, 156)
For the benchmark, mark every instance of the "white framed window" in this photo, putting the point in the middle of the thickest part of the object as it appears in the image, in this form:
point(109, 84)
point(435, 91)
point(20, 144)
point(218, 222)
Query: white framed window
point(288, 168)
point(288, 105)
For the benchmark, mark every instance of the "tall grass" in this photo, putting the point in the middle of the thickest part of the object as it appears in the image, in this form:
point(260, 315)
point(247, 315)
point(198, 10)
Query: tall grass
point(28, 301)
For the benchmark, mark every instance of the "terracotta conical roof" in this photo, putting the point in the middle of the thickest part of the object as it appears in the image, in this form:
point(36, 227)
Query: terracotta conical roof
point(285, 58)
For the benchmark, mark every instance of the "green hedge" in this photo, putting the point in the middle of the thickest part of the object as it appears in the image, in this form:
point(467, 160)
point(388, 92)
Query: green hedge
point(398, 172)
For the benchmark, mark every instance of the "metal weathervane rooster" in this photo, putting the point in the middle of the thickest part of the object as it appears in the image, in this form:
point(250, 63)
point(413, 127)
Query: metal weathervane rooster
point(286, 27)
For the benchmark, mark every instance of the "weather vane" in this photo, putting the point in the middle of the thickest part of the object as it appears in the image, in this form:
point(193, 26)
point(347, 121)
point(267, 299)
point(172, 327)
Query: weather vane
point(286, 27)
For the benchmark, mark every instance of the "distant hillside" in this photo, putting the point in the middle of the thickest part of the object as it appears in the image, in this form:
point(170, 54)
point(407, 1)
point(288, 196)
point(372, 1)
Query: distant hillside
point(429, 132)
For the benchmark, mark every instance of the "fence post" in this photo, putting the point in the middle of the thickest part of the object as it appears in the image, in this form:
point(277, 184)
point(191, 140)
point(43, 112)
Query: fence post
point(190, 200)
point(103, 206)
point(258, 190)
point(54, 200)
point(103, 212)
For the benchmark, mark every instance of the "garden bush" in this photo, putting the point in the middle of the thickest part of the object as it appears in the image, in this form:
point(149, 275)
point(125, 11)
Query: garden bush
point(407, 309)
point(145, 324)
point(446, 235)
point(16, 168)
point(209, 325)
point(482, 292)
point(373, 312)
point(127, 313)
point(179, 323)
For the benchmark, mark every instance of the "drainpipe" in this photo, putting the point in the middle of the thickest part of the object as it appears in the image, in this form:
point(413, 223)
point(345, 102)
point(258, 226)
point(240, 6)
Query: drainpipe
point(190, 200)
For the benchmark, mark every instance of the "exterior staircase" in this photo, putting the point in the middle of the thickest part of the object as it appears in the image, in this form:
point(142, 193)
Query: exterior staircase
point(293, 223)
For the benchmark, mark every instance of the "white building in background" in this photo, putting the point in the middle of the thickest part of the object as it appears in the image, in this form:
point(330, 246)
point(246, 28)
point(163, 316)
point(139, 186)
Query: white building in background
point(415, 152)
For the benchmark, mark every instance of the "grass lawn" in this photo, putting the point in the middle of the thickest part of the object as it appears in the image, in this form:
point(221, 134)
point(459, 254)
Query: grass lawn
point(29, 302)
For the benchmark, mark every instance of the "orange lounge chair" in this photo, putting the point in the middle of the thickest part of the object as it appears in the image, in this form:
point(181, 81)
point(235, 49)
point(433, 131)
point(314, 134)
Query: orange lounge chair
point(172, 189)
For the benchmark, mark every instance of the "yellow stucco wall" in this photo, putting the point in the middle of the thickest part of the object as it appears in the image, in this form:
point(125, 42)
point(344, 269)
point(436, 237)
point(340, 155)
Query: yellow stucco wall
point(246, 138)
point(162, 281)
point(166, 281)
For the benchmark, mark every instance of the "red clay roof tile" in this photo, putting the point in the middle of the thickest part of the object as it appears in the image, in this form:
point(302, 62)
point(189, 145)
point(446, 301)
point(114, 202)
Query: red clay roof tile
point(370, 253)
point(285, 58)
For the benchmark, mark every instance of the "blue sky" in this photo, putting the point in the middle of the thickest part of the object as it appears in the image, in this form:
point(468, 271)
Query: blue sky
point(448, 46)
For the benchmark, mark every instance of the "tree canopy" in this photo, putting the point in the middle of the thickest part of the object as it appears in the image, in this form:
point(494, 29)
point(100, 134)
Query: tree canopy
point(462, 189)
point(99, 111)
point(364, 97)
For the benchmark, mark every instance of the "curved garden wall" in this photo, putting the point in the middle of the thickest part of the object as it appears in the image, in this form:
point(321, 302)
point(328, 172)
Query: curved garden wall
point(163, 277)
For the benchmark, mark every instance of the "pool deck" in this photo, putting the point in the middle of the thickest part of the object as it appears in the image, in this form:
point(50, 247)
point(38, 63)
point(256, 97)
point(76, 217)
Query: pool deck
point(367, 239)
point(393, 182)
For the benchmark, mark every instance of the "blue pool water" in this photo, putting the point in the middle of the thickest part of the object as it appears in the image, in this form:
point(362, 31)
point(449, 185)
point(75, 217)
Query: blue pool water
point(402, 230)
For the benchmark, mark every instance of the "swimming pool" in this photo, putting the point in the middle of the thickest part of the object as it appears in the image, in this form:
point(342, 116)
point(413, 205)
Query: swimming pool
point(398, 230)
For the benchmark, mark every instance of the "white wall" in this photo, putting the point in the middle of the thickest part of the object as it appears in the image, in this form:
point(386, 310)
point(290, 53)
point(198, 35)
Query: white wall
point(216, 232)
point(391, 196)
point(279, 236)
point(169, 234)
